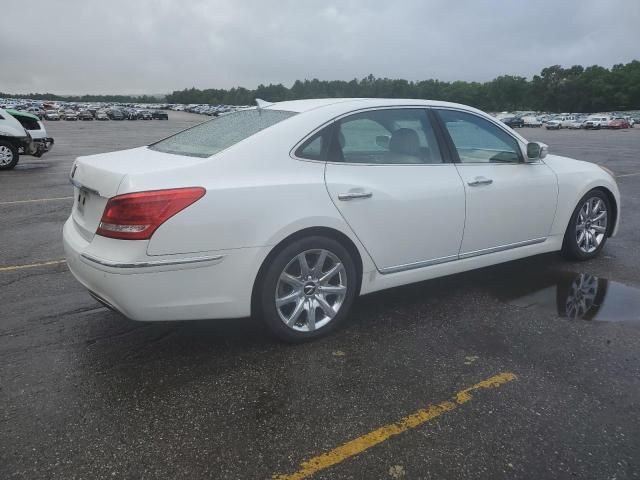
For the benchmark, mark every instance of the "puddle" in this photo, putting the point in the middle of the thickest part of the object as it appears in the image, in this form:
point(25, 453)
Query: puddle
point(575, 296)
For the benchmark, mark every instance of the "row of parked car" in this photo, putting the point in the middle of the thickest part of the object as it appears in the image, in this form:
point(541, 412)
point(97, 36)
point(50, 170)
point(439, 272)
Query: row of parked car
point(72, 111)
point(210, 110)
point(111, 114)
point(571, 120)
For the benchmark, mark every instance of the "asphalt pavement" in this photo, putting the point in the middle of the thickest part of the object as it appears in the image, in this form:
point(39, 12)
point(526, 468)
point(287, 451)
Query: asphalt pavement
point(481, 375)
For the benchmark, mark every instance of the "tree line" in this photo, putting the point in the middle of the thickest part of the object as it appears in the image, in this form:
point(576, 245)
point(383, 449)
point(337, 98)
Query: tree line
point(555, 89)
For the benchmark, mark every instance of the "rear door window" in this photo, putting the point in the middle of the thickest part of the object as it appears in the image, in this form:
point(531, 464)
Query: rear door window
point(386, 136)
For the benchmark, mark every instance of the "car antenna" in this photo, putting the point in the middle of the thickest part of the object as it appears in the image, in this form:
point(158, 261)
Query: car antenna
point(260, 104)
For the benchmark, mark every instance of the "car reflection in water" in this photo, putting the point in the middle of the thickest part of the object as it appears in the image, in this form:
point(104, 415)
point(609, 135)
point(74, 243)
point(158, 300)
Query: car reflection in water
point(576, 296)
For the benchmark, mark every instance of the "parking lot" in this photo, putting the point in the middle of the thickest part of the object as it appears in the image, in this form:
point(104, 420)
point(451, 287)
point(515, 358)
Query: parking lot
point(477, 375)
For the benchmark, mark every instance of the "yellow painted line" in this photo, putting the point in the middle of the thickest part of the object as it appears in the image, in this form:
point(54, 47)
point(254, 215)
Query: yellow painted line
point(55, 199)
point(31, 265)
point(371, 439)
point(628, 175)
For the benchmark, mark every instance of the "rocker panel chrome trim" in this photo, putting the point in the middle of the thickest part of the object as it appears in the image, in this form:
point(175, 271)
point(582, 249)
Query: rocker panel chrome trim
point(451, 258)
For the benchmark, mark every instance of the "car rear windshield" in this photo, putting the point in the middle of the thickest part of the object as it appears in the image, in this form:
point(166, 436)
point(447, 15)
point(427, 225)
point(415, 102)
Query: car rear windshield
point(220, 133)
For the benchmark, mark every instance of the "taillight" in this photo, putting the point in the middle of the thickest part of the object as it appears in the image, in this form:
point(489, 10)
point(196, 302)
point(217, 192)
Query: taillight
point(135, 216)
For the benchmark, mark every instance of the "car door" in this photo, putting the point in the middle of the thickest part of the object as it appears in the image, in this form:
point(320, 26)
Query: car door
point(388, 178)
point(509, 202)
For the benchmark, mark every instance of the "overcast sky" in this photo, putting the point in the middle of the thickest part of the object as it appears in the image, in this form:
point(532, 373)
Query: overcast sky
point(157, 46)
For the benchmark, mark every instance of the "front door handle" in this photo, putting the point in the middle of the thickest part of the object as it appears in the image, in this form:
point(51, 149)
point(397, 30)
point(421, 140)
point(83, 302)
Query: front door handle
point(353, 195)
point(480, 181)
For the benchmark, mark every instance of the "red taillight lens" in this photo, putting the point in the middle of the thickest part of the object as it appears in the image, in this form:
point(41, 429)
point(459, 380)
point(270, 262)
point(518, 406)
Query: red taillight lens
point(135, 216)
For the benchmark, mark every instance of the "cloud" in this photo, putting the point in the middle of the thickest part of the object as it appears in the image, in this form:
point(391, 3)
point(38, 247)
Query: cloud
point(156, 46)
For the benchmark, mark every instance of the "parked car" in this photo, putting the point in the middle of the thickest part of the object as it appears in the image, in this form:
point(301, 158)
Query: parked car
point(596, 122)
point(145, 115)
point(85, 115)
point(565, 120)
point(160, 115)
point(38, 112)
point(116, 114)
point(70, 115)
point(131, 114)
point(21, 133)
point(576, 124)
point(531, 121)
point(553, 124)
point(619, 123)
point(175, 231)
point(513, 122)
point(102, 115)
point(51, 115)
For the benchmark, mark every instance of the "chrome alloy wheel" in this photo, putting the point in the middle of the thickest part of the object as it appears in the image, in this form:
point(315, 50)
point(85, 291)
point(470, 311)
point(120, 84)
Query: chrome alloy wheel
point(591, 224)
point(311, 290)
point(582, 295)
point(6, 156)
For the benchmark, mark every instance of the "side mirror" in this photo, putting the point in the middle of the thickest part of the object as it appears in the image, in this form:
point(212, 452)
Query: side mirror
point(383, 141)
point(536, 151)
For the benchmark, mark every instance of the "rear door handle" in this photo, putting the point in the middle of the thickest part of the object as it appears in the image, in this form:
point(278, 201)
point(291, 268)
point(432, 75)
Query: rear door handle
point(353, 195)
point(480, 181)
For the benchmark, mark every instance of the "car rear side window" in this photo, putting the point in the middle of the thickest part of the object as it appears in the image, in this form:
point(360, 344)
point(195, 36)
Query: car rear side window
point(315, 148)
point(220, 133)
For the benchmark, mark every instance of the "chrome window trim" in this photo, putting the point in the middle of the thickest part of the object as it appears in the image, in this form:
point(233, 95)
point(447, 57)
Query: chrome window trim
point(462, 256)
point(536, 162)
point(353, 112)
point(152, 263)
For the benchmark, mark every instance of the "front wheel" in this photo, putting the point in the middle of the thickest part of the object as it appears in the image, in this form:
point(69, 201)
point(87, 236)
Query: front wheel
point(308, 289)
point(588, 228)
point(8, 156)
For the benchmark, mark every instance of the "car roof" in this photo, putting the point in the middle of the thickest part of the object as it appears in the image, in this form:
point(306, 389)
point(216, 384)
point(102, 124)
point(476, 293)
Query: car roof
point(349, 104)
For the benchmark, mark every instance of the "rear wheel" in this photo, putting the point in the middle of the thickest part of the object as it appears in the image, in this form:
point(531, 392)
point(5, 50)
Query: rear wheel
point(8, 155)
point(308, 289)
point(588, 228)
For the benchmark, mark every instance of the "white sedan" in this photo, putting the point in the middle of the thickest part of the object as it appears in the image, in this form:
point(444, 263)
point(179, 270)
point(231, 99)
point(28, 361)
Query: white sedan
point(290, 210)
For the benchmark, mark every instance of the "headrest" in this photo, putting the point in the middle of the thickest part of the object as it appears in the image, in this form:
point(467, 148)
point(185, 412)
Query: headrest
point(405, 141)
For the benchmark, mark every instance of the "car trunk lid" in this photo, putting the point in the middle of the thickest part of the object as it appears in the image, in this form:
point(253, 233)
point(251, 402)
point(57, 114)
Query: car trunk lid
point(97, 178)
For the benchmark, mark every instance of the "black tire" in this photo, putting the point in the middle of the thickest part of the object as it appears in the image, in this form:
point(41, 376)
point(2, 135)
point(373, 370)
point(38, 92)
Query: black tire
point(570, 248)
point(269, 283)
point(13, 150)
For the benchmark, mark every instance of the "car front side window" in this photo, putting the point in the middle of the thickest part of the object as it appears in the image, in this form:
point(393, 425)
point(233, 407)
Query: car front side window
point(478, 140)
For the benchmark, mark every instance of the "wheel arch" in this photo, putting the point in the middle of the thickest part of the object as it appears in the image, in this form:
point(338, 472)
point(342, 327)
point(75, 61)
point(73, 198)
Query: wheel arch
point(611, 227)
point(307, 232)
point(614, 207)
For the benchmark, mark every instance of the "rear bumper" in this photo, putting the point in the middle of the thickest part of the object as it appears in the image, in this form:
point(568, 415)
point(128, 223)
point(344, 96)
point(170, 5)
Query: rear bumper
point(176, 287)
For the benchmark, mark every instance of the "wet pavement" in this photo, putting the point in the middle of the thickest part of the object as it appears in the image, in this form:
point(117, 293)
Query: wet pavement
point(86, 393)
